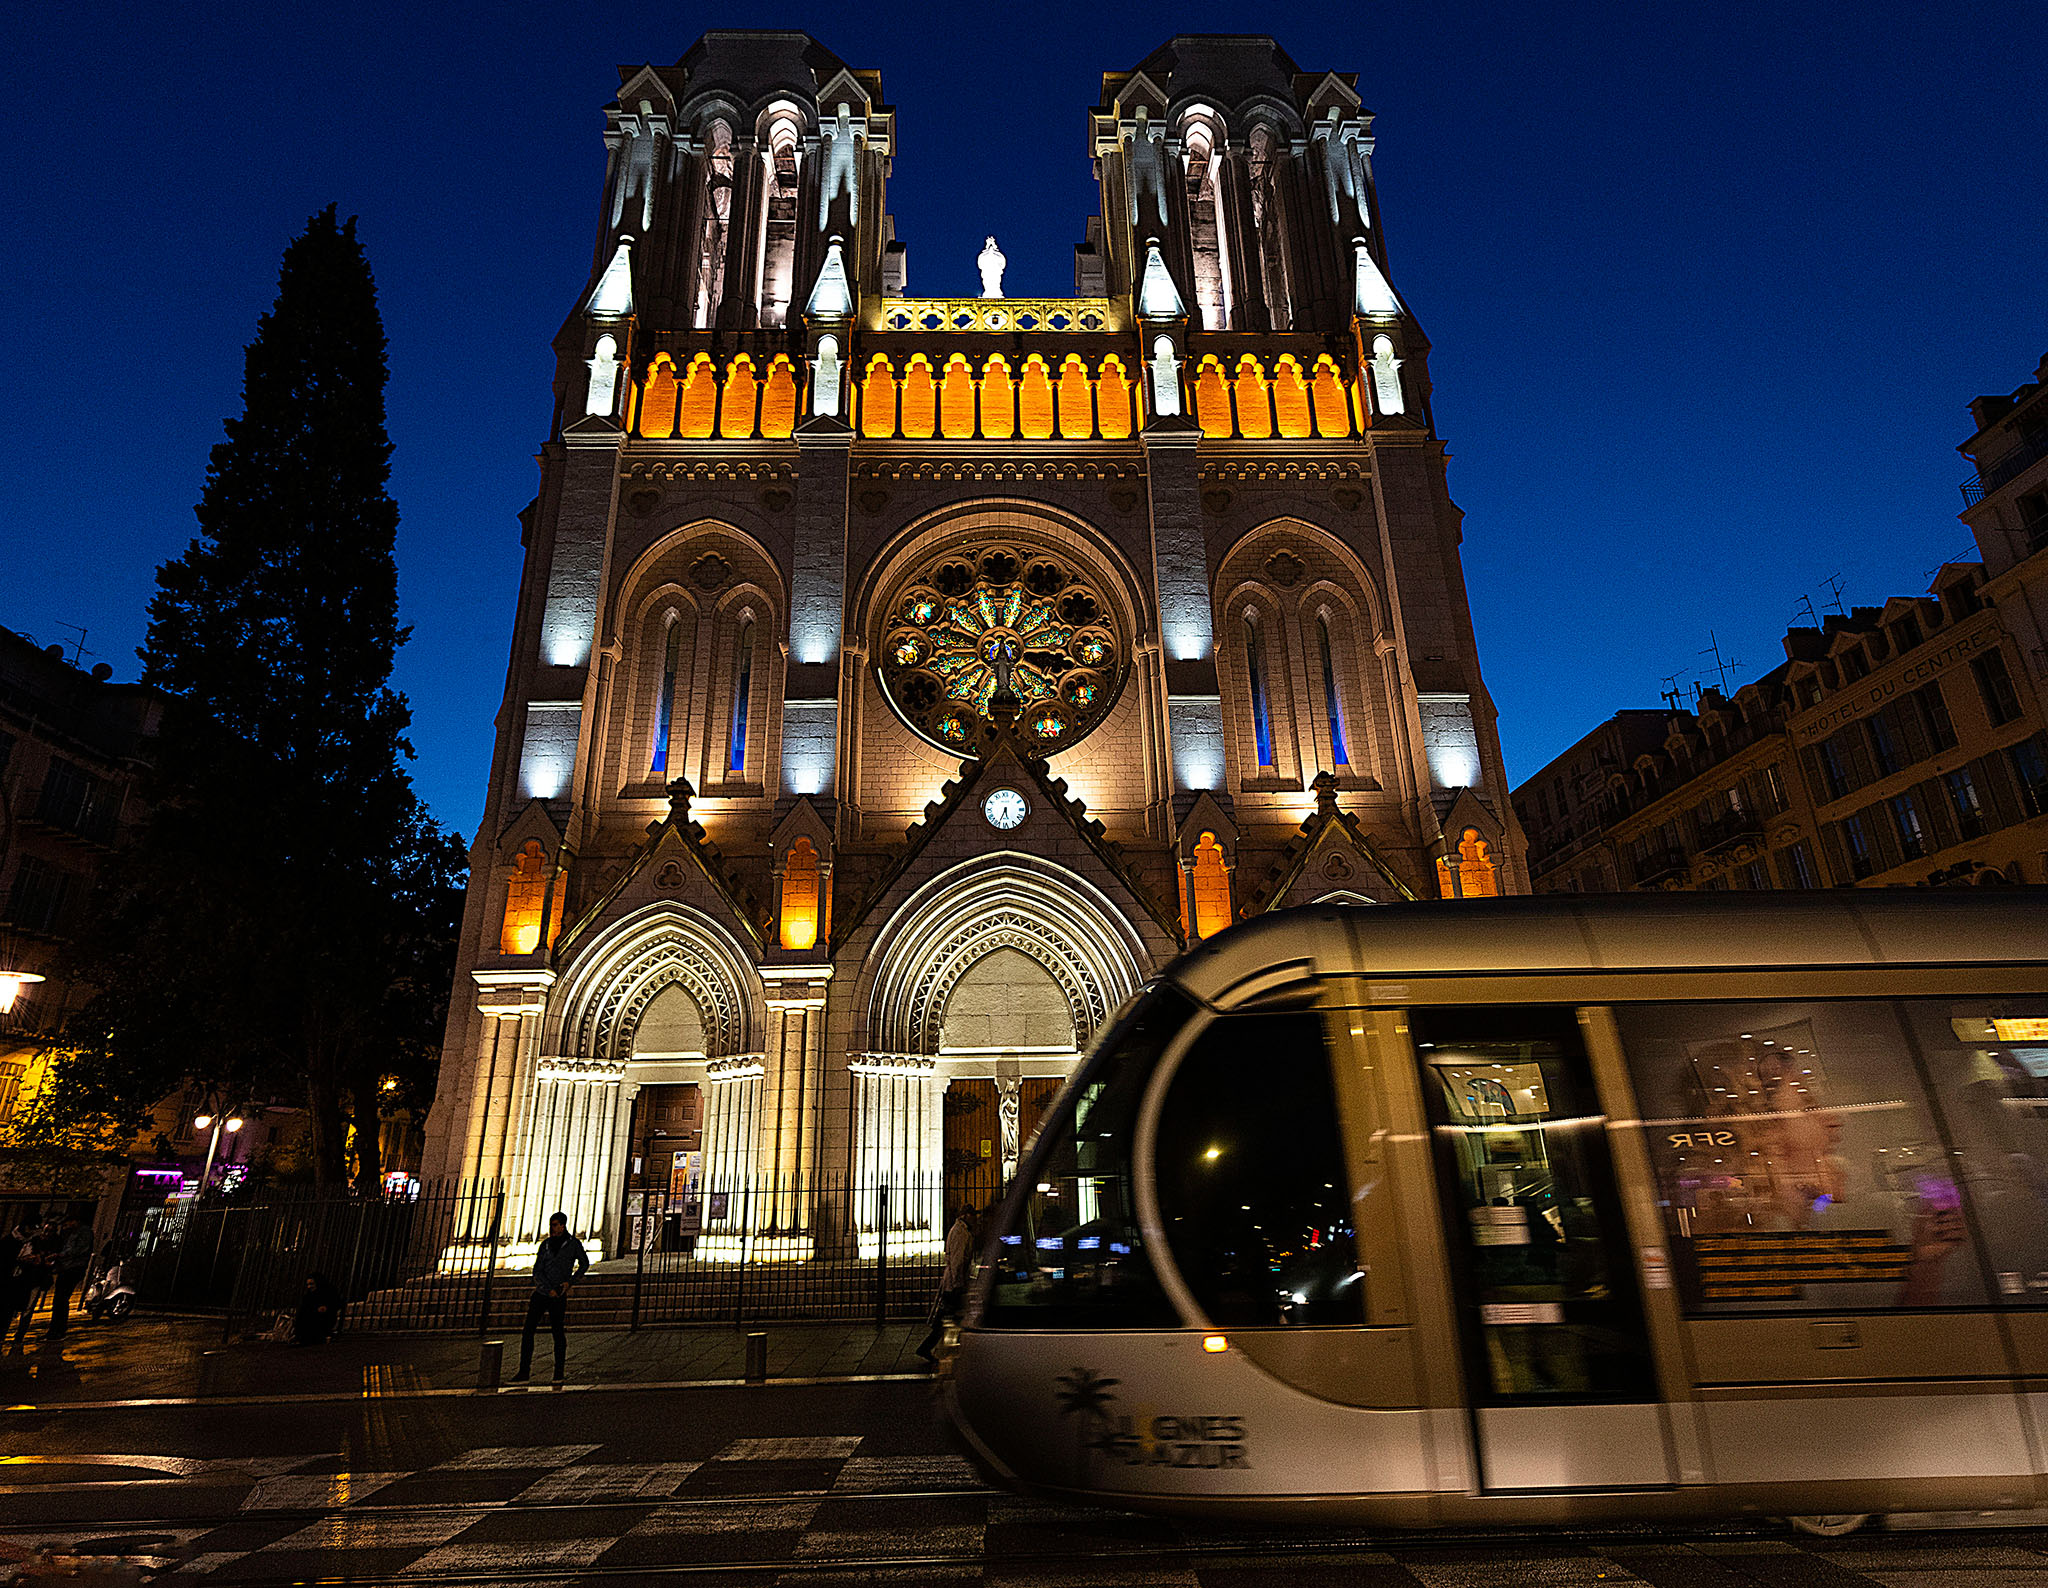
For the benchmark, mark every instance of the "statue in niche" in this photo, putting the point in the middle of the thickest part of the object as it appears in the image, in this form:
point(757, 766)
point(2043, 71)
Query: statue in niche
point(990, 262)
point(1344, 177)
point(840, 174)
point(1165, 378)
point(1145, 176)
point(1386, 377)
point(1009, 1111)
point(603, 364)
point(825, 379)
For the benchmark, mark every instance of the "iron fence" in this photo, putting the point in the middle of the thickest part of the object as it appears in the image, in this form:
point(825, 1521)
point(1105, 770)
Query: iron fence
point(742, 1250)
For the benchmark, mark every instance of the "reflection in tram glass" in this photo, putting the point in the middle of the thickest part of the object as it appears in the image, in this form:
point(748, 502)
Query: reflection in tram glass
point(1073, 1258)
point(1522, 1150)
point(1253, 1193)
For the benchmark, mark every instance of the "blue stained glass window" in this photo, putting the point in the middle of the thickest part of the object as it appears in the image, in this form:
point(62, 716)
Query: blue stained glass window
point(742, 689)
point(1332, 701)
point(664, 708)
point(1262, 719)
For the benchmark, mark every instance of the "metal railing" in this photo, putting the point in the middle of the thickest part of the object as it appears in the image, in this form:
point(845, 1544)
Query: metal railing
point(2006, 467)
point(753, 1249)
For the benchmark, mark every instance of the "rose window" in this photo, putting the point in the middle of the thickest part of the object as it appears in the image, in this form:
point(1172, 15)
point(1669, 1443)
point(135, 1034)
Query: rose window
point(970, 623)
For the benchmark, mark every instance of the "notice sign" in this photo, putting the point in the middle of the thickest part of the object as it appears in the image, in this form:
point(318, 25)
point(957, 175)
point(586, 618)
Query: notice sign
point(1778, 1265)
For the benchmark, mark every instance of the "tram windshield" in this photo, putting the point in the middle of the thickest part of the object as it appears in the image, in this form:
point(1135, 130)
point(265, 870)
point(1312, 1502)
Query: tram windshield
point(1070, 1256)
point(1254, 1196)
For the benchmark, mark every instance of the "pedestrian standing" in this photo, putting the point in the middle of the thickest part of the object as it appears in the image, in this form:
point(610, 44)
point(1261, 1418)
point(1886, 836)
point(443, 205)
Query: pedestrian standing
point(13, 1280)
point(34, 1269)
point(558, 1264)
point(68, 1265)
point(952, 1280)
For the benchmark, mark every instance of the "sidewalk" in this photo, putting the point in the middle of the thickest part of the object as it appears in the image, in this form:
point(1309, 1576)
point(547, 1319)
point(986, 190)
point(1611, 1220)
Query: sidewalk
point(176, 1359)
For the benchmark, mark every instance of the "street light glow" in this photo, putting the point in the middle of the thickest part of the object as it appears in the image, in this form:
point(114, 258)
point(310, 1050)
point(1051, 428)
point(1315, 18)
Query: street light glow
point(11, 983)
point(202, 1120)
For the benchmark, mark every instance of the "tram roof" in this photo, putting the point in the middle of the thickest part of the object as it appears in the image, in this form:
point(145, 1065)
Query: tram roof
point(1627, 932)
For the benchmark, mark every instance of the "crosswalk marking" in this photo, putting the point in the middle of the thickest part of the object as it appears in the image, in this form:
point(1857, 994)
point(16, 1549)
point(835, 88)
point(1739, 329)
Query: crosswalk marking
point(309, 1491)
point(827, 1448)
point(500, 1457)
point(578, 1483)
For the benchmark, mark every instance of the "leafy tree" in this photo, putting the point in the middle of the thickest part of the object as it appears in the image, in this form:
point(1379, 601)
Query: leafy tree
point(284, 924)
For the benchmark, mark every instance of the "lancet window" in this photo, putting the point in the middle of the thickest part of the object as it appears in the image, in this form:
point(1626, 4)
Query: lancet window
point(715, 208)
point(526, 901)
point(664, 705)
point(742, 699)
point(800, 896)
point(1209, 888)
point(778, 221)
point(1255, 679)
point(1207, 237)
point(1333, 699)
point(1472, 873)
point(1262, 169)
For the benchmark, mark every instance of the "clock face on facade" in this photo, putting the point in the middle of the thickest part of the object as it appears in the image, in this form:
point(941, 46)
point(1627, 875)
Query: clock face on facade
point(1004, 808)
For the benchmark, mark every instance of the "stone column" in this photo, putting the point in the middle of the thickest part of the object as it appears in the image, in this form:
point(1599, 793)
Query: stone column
point(512, 1003)
point(817, 608)
point(1180, 563)
point(899, 1136)
point(788, 1149)
point(568, 1157)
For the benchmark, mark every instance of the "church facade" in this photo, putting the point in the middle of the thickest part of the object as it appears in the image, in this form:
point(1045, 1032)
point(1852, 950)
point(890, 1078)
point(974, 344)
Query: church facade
point(898, 682)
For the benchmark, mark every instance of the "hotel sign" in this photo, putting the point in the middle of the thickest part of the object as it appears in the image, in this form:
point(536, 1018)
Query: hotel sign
point(1848, 705)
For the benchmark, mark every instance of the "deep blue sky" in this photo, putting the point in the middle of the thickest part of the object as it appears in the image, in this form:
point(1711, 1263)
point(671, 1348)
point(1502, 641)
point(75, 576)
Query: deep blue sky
point(1708, 287)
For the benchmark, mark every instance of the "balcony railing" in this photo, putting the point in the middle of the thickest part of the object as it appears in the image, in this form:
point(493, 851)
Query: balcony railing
point(1001, 315)
point(2006, 467)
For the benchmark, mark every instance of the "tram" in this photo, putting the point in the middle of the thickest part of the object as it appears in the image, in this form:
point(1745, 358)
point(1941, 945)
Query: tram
point(1558, 1209)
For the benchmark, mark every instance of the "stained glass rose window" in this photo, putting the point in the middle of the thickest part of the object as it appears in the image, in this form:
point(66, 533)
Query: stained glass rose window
point(975, 619)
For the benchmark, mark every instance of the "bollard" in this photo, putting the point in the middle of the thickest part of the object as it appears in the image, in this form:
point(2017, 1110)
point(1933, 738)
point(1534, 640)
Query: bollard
point(490, 1368)
point(757, 1358)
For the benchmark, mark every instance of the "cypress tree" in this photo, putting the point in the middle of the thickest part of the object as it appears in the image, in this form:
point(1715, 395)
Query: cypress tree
point(284, 924)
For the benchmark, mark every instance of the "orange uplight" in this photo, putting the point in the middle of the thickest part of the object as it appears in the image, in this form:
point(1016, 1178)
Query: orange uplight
point(1212, 1343)
point(2021, 1030)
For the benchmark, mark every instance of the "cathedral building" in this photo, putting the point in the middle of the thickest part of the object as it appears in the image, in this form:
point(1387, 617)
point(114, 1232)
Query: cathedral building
point(898, 682)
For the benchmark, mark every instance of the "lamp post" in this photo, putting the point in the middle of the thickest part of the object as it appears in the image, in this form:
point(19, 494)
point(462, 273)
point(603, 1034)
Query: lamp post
point(231, 1123)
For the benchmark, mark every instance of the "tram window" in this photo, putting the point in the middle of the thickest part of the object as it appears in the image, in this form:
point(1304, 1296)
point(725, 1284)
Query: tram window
point(1254, 1196)
point(1798, 1165)
point(1071, 1256)
point(1542, 1260)
point(1988, 1059)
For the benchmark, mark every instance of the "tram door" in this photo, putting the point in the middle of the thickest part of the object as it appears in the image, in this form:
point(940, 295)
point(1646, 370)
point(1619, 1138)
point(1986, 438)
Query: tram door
point(1557, 1359)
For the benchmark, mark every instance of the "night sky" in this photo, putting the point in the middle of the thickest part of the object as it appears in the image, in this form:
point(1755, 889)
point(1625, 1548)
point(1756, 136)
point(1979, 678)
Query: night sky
point(1708, 288)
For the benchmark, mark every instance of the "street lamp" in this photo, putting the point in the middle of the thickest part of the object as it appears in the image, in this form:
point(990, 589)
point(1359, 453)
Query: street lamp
point(230, 1123)
point(11, 983)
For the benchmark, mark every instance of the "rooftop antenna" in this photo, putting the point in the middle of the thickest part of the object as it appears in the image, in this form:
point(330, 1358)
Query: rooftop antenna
point(1834, 584)
point(1672, 693)
point(1725, 667)
point(78, 645)
point(1806, 605)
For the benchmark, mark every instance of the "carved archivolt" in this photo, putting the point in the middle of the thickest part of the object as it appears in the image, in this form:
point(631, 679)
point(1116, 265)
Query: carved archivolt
point(1044, 911)
point(669, 944)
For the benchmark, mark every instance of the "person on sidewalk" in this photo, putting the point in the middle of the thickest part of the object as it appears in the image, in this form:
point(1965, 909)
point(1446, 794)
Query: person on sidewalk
point(69, 1263)
point(952, 1281)
point(319, 1311)
point(38, 1244)
point(13, 1278)
point(558, 1264)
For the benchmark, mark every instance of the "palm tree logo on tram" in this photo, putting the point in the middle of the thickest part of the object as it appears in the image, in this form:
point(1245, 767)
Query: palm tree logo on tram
point(1083, 1394)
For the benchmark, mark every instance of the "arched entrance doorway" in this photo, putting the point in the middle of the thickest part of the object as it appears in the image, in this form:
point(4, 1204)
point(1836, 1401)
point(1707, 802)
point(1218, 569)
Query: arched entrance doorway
point(983, 989)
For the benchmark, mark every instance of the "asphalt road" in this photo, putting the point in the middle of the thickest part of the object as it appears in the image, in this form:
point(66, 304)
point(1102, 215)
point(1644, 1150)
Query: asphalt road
point(819, 1485)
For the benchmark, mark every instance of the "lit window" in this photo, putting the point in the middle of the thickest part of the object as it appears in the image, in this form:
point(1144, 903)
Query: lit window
point(800, 895)
point(1474, 874)
point(524, 900)
point(1211, 888)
